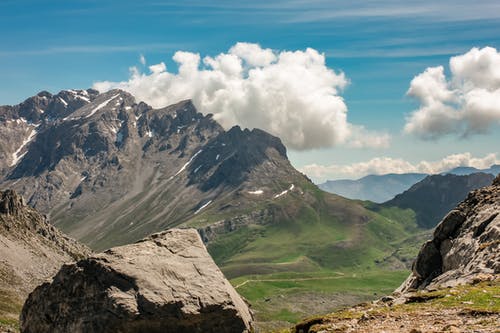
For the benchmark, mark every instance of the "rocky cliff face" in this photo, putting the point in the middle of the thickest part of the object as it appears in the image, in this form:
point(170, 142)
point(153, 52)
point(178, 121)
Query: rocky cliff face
point(31, 251)
point(465, 246)
point(165, 283)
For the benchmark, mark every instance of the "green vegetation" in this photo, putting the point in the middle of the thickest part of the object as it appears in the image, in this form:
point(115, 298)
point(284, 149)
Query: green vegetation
point(10, 307)
point(292, 296)
point(315, 246)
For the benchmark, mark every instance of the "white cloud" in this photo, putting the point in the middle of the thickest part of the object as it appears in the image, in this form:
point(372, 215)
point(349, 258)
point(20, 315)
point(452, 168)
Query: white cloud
point(468, 103)
point(142, 59)
point(385, 165)
point(291, 94)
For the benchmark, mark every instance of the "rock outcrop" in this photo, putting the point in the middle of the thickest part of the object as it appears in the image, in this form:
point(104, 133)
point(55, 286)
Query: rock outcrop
point(465, 245)
point(31, 251)
point(165, 283)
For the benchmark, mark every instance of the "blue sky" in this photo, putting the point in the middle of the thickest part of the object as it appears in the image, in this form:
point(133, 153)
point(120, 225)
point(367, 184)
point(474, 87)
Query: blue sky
point(379, 45)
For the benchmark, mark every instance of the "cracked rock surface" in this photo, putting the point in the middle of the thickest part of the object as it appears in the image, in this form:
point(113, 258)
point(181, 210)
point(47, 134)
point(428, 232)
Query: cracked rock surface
point(164, 283)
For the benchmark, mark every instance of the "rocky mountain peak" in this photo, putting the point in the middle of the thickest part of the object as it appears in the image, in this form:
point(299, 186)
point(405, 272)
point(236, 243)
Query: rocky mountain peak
point(113, 150)
point(465, 246)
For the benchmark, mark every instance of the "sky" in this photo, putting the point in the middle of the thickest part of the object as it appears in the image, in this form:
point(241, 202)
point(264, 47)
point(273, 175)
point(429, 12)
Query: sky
point(351, 87)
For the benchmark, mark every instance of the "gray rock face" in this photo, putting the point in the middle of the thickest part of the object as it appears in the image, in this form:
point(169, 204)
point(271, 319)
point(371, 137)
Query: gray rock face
point(465, 245)
point(165, 283)
point(31, 250)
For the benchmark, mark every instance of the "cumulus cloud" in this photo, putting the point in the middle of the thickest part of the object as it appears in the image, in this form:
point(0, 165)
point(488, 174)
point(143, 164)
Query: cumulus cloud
point(385, 165)
point(291, 94)
point(465, 104)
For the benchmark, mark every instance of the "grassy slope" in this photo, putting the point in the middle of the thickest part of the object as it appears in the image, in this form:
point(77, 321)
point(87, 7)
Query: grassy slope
point(318, 246)
point(475, 307)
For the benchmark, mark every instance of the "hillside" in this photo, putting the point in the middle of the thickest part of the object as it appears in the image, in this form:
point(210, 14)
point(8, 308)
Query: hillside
point(376, 188)
point(31, 251)
point(114, 171)
point(431, 198)
point(454, 284)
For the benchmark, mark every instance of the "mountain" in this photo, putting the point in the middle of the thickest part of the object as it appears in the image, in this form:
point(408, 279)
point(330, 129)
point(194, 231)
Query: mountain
point(431, 198)
point(113, 171)
point(376, 188)
point(31, 251)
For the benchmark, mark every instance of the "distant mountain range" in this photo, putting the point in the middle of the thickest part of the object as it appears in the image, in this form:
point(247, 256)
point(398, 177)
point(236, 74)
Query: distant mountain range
point(376, 188)
point(380, 188)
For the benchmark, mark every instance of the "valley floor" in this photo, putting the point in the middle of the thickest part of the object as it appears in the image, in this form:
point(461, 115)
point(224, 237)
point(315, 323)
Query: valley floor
point(281, 299)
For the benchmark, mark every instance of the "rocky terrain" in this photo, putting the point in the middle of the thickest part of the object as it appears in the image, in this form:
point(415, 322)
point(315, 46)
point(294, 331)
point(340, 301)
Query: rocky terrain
point(454, 285)
point(31, 251)
point(434, 196)
point(165, 283)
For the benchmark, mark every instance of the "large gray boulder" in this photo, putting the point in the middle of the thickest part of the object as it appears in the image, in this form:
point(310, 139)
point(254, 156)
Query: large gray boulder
point(465, 246)
point(165, 283)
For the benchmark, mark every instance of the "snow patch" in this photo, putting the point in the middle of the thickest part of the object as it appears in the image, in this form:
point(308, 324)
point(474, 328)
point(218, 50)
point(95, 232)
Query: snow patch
point(83, 98)
point(100, 106)
point(16, 157)
point(63, 101)
point(256, 192)
point(186, 165)
point(217, 157)
point(198, 168)
point(149, 133)
point(284, 192)
point(203, 206)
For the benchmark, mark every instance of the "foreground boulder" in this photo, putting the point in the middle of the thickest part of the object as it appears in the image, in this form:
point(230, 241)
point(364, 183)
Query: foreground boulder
point(165, 283)
point(465, 247)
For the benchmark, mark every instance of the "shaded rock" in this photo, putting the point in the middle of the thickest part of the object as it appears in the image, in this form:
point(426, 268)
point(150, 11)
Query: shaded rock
point(10, 202)
point(428, 262)
point(465, 246)
point(165, 283)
